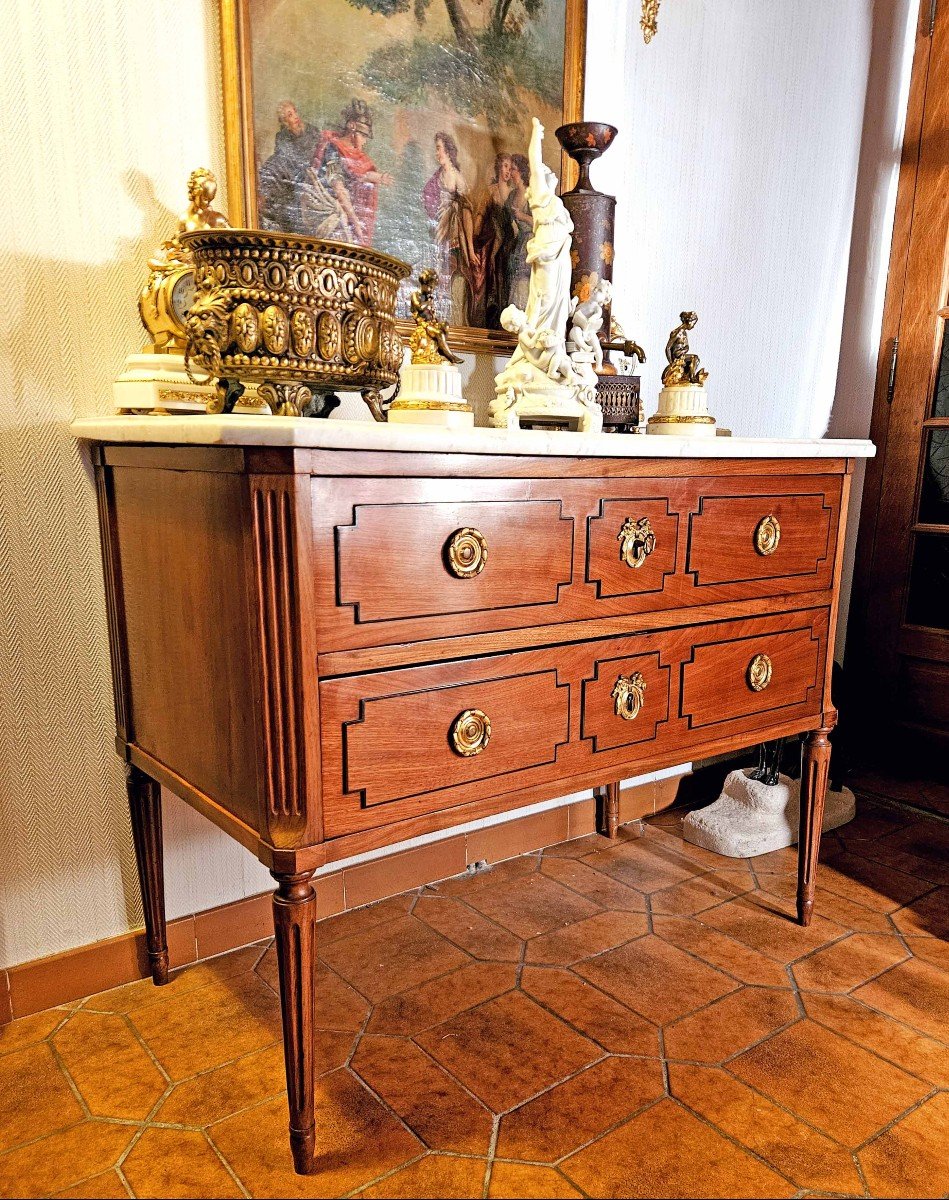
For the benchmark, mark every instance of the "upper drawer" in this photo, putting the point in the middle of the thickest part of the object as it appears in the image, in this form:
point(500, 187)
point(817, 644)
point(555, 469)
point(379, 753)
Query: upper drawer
point(765, 538)
point(437, 558)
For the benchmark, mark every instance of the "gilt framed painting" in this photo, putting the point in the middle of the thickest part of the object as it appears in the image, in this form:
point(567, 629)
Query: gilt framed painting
point(403, 124)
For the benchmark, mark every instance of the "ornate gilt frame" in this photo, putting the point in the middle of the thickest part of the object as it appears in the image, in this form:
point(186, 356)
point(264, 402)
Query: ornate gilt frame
point(239, 132)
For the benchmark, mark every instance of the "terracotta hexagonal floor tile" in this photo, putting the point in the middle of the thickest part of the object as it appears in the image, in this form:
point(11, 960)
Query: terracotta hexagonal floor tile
point(667, 1152)
point(177, 1163)
point(575, 1112)
point(870, 883)
point(730, 1025)
point(798, 1151)
point(27, 1031)
point(35, 1098)
point(427, 1099)
point(434, 1177)
point(115, 1075)
point(361, 920)
point(647, 864)
point(586, 938)
point(769, 927)
point(928, 915)
point(930, 949)
point(914, 992)
point(530, 1050)
point(839, 909)
point(393, 957)
point(655, 979)
point(226, 1090)
point(187, 979)
point(431, 1003)
point(532, 905)
point(517, 1181)
point(900, 1045)
point(106, 1186)
point(468, 929)
point(702, 892)
point(847, 1092)
point(611, 1024)
point(596, 886)
point(62, 1159)
point(849, 962)
point(208, 1026)
point(920, 849)
point(498, 874)
point(910, 1158)
point(719, 950)
point(358, 1141)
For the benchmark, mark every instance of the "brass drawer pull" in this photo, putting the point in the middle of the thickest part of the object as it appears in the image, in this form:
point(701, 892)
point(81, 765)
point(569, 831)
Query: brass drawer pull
point(467, 552)
point(637, 541)
point(629, 693)
point(758, 674)
point(470, 732)
point(767, 535)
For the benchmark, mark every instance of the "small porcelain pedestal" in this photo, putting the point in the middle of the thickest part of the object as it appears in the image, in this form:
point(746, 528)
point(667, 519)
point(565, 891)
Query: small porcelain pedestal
point(545, 405)
point(751, 817)
point(683, 412)
point(159, 383)
point(431, 395)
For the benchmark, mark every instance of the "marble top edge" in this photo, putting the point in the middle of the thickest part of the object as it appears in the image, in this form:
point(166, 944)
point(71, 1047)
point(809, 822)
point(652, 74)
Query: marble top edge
point(242, 430)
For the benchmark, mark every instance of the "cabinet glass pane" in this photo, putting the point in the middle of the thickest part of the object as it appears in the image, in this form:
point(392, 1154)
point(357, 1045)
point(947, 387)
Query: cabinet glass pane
point(934, 494)
point(929, 582)
point(941, 394)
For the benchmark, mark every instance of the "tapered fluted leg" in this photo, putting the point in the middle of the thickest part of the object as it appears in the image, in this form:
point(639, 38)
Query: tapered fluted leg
point(608, 809)
point(815, 768)
point(294, 918)
point(145, 809)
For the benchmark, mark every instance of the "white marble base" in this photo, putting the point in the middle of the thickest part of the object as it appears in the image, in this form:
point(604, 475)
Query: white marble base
point(159, 383)
point(751, 818)
point(682, 411)
point(441, 418)
point(552, 404)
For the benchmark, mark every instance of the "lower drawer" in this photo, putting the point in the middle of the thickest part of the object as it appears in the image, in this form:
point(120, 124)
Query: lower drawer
point(404, 743)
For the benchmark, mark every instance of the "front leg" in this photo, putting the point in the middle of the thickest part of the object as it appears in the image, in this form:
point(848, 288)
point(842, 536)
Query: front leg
point(294, 913)
point(608, 809)
point(815, 767)
point(145, 810)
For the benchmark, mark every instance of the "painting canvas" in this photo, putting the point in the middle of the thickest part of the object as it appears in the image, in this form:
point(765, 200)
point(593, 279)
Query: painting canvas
point(403, 124)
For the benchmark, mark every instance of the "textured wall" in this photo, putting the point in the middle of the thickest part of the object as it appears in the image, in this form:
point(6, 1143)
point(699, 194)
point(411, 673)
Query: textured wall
point(736, 169)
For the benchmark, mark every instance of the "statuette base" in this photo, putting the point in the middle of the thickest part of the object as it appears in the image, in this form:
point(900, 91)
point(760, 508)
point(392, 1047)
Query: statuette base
point(431, 395)
point(159, 383)
point(683, 412)
point(751, 817)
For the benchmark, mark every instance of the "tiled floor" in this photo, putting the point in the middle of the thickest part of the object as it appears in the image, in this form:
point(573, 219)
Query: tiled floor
point(638, 1019)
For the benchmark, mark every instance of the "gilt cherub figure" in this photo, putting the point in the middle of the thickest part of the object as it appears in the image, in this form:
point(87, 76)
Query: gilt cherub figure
point(683, 369)
point(202, 188)
point(429, 339)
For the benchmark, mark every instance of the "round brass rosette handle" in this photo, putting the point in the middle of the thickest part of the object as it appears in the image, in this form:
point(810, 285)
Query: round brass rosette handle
point(470, 732)
point(759, 672)
point(629, 695)
point(467, 553)
point(767, 535)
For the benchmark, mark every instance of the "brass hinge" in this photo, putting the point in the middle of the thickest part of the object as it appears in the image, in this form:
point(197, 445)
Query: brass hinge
point(933, 5)
point(891, 381)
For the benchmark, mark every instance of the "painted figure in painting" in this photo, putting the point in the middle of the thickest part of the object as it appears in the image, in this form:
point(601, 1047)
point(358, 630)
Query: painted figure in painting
point(340, 195)
point(451, 219)
point(494, 245)
point(519, 271)
point(281, 176)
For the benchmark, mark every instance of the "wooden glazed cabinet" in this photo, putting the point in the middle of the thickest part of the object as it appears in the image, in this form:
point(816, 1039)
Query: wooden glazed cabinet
point(327, 651)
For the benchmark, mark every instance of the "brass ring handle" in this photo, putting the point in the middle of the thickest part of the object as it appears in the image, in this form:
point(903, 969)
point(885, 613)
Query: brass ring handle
point(767, 535)
point(759, 671)
point(467, 552)
point(470, 732)
point(637, 541)
point(629, 695)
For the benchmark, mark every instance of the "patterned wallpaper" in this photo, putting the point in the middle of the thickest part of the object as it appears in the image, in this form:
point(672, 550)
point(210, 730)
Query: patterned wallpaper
point(736, 200)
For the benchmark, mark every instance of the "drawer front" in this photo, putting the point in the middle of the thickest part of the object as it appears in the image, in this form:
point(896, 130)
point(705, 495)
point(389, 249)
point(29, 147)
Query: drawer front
point(418, 740)
point(631, 544)
point(441, 559)
point(726, 678)
point(777, 540)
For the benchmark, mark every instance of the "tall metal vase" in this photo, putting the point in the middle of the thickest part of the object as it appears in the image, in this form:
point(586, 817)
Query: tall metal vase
point(593, 212)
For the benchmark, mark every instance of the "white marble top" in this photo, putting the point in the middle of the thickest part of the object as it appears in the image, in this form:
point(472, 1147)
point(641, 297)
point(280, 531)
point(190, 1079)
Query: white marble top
point(243, 430)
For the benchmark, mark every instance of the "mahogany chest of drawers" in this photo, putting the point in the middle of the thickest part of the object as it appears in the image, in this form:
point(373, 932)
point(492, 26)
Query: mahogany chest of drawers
point(330, 648)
